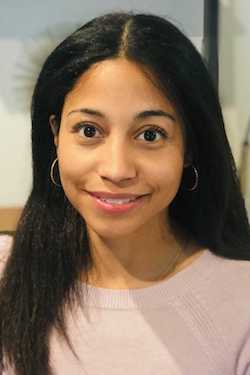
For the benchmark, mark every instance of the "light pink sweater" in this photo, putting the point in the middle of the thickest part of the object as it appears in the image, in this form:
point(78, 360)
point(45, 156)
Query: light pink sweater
point(195, 323)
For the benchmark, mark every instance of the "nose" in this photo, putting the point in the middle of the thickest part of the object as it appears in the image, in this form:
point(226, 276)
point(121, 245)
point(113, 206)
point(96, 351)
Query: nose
point(117, 163)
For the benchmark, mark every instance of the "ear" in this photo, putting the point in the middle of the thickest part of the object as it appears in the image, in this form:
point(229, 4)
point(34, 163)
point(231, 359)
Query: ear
point(54, 128)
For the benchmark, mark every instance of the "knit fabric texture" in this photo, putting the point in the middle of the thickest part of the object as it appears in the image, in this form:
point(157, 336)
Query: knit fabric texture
point(195, 322)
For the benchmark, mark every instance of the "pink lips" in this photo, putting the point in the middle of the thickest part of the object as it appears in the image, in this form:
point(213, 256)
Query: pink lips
point(115, 208)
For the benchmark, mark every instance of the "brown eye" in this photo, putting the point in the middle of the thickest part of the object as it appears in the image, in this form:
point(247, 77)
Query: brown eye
point(89, 130)
point(150, 133)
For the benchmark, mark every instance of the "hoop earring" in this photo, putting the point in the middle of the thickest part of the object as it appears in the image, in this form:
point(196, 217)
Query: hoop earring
point(196, 179)
point(52, 171)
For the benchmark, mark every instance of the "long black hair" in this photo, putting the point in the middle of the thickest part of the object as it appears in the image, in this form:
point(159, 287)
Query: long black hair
point(50, 246)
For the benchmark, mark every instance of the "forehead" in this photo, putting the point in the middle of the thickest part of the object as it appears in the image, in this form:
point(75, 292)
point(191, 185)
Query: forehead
point(120, 81)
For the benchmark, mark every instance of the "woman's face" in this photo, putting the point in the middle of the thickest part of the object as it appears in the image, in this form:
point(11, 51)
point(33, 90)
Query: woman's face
point(118, 151)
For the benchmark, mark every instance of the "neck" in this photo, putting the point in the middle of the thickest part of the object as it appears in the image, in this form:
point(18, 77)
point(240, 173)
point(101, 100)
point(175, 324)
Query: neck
point(135, 267)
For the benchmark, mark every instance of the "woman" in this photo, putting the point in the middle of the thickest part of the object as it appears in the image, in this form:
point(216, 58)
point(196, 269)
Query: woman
point(133, 245)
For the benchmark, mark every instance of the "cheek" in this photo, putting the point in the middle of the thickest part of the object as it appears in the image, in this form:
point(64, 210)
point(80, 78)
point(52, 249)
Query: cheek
point(71, 165)
point(166, 175)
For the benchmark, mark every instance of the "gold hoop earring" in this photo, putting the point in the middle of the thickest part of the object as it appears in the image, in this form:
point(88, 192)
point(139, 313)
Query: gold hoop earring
point(52, 171)
point(196, 179)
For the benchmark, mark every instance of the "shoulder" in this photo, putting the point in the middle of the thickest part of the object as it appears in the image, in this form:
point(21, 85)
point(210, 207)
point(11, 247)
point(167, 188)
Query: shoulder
point(231, 272)
point(226, 295)
point(5, 248)
point(5, 245)
point(228, 282)
point(234, 283)
point(220, 286)
point(219, 308)
point(235, 276)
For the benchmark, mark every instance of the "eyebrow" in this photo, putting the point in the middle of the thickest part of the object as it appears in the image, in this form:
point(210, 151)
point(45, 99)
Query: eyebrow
point(138, 116)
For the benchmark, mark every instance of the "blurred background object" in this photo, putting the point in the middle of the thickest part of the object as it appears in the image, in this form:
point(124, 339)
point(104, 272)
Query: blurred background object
point(234, 82)
point(245, 168)
point(8, 219)
point(211, 37)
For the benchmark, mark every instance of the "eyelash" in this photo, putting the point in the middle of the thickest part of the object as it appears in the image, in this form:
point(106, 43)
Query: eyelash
point(80, 126)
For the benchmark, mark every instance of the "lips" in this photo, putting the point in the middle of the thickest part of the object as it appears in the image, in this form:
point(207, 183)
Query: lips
point(117, 207)
point(107, 195)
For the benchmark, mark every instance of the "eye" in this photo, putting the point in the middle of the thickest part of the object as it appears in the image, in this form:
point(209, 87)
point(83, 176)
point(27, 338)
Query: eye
point(90, 130)
point(150, 133)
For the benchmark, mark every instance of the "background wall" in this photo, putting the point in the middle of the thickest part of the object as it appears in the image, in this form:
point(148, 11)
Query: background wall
point(29, 29)
point(234, 78)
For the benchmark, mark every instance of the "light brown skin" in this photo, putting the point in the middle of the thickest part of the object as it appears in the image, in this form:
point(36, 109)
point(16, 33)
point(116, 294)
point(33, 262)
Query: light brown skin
point(129, 250)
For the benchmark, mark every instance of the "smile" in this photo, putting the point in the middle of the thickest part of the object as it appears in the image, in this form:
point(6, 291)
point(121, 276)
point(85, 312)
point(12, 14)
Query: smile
point(118, 205)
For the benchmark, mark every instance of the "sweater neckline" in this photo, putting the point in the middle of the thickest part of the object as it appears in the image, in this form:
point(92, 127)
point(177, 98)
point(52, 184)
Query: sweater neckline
point(155, 295)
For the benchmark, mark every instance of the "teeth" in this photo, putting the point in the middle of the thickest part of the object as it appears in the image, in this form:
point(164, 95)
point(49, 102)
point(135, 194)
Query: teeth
point(117, 201)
